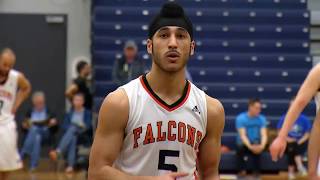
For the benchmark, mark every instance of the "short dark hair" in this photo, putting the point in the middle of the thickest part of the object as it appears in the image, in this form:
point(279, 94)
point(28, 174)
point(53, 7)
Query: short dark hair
point(81, 65)
point(252, 101)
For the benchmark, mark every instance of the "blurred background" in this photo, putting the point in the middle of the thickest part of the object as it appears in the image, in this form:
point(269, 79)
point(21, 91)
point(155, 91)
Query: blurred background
point(244, 49)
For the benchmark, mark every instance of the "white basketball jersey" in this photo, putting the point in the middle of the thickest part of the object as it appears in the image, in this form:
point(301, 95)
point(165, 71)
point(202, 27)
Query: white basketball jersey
point(161, 138)
point(8, 92)
point(317, 100)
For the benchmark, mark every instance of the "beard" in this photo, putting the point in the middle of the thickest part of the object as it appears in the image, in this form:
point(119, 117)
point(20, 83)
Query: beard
point(157, 59)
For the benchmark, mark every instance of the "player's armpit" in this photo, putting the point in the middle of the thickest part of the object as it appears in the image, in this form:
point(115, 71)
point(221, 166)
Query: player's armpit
point(209, 150)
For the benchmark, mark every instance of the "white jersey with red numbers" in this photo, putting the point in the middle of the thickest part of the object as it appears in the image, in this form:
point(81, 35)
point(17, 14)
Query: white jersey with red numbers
point(9, 156)
point(162, 138)
point(8, 92)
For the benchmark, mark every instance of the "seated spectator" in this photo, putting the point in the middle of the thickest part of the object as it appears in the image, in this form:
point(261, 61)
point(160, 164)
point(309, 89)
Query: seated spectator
point(297, 138)
point(77, 122)
point(81, 84)
point(129, 66)
point(39, 121)
point(252, 136)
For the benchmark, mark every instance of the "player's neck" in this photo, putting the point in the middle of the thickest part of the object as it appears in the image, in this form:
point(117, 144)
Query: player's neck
point(169, 84)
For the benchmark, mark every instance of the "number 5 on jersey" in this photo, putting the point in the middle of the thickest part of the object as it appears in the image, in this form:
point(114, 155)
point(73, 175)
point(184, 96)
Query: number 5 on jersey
point(162, 157)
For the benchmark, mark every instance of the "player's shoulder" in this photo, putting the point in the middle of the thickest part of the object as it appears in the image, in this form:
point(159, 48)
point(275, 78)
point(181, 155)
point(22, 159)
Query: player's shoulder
point(114, 110)
point(215, 115)
point(116, 100)
point(316, 69)
point(214, 106)
point(18, 75)
point(213, 102)
point(16, 72)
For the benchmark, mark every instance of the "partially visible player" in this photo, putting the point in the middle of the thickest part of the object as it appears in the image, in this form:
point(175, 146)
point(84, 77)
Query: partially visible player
point(155, 127)
point(14, 89)
point(307, 91)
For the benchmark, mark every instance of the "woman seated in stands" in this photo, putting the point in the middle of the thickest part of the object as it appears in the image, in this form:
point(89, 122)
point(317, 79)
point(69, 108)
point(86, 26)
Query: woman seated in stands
point(77, 123)
point(40, 124)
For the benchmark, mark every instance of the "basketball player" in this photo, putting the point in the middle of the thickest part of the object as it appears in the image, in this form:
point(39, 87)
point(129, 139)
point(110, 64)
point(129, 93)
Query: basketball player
point(309, 88)
point(14, 89)
point(155, 127)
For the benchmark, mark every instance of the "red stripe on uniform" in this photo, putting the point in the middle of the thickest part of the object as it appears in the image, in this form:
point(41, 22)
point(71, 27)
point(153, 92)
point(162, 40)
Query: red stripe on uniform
point(163, 105)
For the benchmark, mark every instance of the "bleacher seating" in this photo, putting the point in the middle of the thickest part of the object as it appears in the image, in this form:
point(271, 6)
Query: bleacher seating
point(245, 48)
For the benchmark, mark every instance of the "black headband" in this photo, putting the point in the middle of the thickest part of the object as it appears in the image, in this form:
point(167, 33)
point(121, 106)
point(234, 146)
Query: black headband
point(171, 14)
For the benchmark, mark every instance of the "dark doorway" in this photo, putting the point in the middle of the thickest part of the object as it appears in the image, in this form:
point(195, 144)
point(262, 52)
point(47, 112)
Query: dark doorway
point(39, 42)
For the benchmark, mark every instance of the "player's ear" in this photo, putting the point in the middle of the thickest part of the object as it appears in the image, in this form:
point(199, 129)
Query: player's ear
point(192, 47)
point(149, 46)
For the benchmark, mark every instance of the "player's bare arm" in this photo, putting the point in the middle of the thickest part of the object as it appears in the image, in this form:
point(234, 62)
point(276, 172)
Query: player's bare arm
point(209, 150)
point(23, 91)
point(306, 92)
point(314, 149)
point(113, 117)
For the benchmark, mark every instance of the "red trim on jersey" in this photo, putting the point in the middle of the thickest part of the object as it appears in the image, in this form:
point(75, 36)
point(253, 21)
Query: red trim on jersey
point(164, 105)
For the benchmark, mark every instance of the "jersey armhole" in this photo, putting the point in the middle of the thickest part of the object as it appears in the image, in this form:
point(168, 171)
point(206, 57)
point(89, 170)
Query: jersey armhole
point(205, 116)
point(129, 106)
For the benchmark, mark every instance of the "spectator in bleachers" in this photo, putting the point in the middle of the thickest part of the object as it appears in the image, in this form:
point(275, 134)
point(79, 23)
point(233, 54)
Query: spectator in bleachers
point(81, 84)
point(297, 137)
point(77, 125)
point(129, 66)
point(252, 136)
point(40, 123)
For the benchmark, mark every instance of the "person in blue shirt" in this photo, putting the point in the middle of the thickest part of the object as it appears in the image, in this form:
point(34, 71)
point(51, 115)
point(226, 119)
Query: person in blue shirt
point(296, 140)
point(252, 136)
point(40, 123)
point(77, 124)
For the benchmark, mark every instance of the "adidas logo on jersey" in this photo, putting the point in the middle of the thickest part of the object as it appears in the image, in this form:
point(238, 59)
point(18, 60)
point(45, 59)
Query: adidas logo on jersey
point(195, 109)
